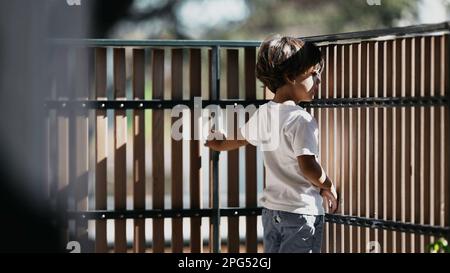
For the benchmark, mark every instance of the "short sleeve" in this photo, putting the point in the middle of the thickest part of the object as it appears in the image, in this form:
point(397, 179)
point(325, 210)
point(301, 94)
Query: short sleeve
point(249, 130)
point(304, 136)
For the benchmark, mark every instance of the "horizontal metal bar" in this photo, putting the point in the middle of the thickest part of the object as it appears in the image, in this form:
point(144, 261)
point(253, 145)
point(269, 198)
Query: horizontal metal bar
point(169, 213)
point(230, 212)
point(118, 104)
point(154, 43)
point(387, 225)
point(396, 31)
point(138, 214)
point(372, 102)
point(317, 103)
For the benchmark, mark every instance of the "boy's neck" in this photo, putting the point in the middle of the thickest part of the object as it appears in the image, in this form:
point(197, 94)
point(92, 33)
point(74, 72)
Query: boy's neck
point(280, 98)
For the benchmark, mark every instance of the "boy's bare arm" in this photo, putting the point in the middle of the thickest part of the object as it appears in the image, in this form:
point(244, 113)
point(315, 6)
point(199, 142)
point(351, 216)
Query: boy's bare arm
point(316, 175)
point(314, 172)
point(225, 145)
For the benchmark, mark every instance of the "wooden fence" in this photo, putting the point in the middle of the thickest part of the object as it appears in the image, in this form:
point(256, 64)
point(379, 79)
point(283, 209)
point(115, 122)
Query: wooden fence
point(383, 116)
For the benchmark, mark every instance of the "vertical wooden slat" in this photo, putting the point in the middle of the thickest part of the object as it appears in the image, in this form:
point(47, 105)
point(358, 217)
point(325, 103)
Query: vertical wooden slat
point(406, 136)
point(370, 142)
point(446, 89)
point(332, 135)
point(138, 126)
point(440, 78)
point(433, 163)
point(337, 135)
point(62, 138)
point(385, 167)
point(101, 128)
point(177, 154)
point(364, 143)
point(379, 141)
point(322, 135)
point(321, 126)
point(326, 137)
point(382, 142)
point(81, 147)
point(421, 142)
point(417, 139)
point(92, 95)
point(401, 54)
point(394, 179)
point(430, 146)
point(412, 147)
point(158, 149)
point(345, 144)
point(439, 166)
point(354, 148)
point(427, 138)
point(120, 132)
point(52, 141)
point(353, 181)
point(250, 154)
point(233, 156)
point(390, 179)
point(444, 147)
point(360, 154)
point(63, 166)
point(398, 152)
point(195, 160)
point(211, 161)
point(345, 202)
point(343, 151)
point(71, 115)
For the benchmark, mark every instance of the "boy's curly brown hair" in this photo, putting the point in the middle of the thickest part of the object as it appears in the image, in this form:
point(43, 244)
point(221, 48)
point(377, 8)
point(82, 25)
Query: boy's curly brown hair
point(281, 57)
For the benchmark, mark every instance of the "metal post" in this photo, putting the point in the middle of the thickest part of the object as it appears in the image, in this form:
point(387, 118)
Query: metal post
point(214, 156)
point(447, 94)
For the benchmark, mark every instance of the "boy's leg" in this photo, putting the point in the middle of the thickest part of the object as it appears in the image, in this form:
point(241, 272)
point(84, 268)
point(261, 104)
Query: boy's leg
point(301, 233)
point(317, 244)
point(272, 236)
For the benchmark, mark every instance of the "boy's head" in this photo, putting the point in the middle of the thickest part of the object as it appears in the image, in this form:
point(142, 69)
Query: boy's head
point(289, 61)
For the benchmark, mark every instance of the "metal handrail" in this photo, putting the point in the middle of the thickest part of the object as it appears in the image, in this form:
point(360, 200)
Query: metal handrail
point(329, 38)
point(367, 102)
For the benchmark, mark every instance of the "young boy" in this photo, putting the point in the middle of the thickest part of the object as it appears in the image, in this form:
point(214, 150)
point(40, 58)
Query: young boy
point(295, 182)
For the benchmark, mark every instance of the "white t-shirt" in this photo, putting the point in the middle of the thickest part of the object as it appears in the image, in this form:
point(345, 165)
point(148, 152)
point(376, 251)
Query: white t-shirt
point(283, 131)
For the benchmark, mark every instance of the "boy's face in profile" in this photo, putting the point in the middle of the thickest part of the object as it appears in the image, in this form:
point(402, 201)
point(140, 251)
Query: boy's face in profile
point(307, 84)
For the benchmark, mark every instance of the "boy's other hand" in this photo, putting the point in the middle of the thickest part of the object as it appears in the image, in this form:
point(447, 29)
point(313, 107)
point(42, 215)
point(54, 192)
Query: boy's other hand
point(331, 199)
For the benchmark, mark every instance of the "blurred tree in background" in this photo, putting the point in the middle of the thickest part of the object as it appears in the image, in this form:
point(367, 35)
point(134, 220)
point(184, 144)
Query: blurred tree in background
point(244, 19)
point(315, 17)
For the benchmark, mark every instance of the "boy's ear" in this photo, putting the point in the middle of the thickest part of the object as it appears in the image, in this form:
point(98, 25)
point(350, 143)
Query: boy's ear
point(288, 80)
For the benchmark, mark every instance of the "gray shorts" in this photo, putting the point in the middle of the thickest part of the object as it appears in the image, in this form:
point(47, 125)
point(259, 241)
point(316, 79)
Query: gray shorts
point(286, 232)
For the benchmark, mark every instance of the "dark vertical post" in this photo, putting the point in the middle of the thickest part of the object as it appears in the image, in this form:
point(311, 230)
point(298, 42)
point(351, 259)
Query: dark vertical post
point(214, 156)
point(138, 126)
point(251, 190)
point(446, 129)
point(158, 148)
point(177, 153)
point(195, 159)
point(120, 145)
point(233, 155)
